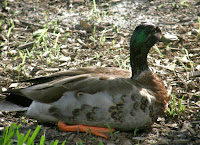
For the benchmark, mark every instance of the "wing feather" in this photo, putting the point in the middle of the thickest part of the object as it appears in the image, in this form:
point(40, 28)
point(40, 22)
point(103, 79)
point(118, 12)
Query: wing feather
point(87, 80)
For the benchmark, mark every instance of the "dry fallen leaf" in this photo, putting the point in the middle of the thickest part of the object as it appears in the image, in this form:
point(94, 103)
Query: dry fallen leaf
point(86, 26)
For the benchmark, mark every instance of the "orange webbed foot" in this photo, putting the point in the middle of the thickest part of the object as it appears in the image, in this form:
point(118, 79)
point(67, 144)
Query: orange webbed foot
point(99, 131)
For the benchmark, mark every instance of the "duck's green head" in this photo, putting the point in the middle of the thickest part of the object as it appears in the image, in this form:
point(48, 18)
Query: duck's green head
point(143, 38)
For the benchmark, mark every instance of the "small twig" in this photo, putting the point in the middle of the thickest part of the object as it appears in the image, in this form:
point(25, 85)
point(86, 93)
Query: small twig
point(30, 23)
point(195, 74)
point(27, 45)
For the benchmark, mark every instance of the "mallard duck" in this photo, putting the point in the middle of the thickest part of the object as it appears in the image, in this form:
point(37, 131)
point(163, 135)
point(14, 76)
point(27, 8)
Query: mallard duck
point(93, 97)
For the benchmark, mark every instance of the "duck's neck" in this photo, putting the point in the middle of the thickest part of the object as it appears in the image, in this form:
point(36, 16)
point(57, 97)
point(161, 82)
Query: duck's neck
point(138, 63)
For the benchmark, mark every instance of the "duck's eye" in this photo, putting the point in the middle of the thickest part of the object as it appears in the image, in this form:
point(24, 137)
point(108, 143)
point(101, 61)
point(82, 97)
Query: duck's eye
point(154, 31)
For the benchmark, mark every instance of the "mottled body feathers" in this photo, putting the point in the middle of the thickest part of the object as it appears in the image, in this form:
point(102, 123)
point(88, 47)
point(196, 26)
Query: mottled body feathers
point(119, 101)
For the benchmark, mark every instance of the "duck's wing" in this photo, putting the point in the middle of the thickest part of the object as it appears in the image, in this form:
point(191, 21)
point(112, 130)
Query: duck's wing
point(86, 80)
point(103, 72)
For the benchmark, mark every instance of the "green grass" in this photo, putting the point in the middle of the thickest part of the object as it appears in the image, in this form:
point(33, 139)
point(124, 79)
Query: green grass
point(124, 64)
point(174, 4)
point(42, 50)
point(198, 35)
point(111, 132)
point(183, 3)
point(48, 38)
point(135, 131)
point(13, 131)
point(186, 62)
point(12, 135)
point(175, 108)
point(158, 51)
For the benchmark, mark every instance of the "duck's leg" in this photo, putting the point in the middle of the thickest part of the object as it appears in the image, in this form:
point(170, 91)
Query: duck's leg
point(99, 131)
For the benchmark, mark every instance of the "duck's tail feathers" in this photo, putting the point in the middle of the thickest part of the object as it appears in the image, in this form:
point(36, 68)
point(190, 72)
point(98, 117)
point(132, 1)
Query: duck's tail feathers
point(14, 96)
point(10, 107)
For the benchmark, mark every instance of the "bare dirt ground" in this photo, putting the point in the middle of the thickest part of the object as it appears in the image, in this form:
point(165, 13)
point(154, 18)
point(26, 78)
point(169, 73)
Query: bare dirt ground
point(42, 37)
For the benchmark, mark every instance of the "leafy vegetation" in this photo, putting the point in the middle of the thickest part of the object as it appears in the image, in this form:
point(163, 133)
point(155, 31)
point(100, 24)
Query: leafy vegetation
point(10, 133)
point(175, 108)
point(28, 139)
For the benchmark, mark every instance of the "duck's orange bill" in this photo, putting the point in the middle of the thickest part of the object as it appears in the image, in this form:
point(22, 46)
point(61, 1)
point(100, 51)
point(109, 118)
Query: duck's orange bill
point(99, 131)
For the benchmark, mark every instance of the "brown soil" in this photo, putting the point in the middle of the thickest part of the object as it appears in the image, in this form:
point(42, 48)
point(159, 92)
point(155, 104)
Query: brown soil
point(177, 63)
